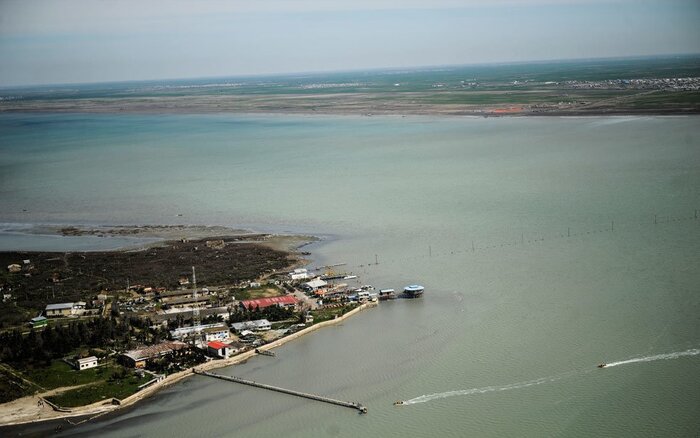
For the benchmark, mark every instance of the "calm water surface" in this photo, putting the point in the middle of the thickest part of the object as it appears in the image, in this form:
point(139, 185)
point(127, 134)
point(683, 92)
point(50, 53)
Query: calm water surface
point(535, 239)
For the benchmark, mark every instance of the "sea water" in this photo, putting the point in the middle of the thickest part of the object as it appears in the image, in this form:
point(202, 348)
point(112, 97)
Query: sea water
point(546, 246)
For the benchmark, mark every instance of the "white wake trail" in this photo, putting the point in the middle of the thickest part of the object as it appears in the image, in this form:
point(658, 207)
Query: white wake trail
point(667, 356)
point(519, 385)
point(472, 391)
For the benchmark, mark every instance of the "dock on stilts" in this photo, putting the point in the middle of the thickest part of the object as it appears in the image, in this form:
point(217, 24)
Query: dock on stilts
point(357, 406)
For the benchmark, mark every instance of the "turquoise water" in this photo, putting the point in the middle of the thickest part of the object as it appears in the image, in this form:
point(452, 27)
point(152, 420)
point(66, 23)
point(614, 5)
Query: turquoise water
point(546, 245)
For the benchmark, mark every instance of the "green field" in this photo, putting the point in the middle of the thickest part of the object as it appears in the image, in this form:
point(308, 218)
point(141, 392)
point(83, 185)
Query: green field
point(61, 374)
point(111, 388)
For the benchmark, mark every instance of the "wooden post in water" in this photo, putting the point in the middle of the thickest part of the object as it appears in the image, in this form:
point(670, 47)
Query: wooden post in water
point(655, 220)
point(612, 226)
point(568, 231)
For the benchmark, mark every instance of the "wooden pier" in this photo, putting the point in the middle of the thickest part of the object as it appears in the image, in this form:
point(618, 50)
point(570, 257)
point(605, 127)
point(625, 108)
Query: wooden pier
point(359, 407)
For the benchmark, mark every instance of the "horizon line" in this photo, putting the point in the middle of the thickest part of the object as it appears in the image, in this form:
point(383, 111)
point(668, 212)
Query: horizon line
point(340, 71)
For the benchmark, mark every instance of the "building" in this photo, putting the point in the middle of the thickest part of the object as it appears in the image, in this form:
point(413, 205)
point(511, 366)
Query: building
point(137, 358)
point(224, 349)
point(39, 321)
point(219, 332)
point(65, 309)
point(286, 301)
point(314, 284)
point(218, 349)
point(257, 325)
point(86, 363)
point(299, 274)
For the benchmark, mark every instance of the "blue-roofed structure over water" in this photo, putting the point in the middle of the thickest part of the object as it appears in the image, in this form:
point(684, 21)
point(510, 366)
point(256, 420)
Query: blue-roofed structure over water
point(413, 291)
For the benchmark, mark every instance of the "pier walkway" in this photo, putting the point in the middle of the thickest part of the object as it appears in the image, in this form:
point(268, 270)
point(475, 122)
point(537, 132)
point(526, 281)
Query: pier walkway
point(359, 407)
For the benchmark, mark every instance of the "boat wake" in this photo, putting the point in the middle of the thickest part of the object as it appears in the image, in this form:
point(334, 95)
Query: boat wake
point(668, 356)
point(484, 390)
point(520, 385)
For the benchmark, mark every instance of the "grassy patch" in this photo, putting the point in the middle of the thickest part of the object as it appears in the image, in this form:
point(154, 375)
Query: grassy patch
point(61, 374)
point(251, 293)
point(328, 314)
point(113, 388)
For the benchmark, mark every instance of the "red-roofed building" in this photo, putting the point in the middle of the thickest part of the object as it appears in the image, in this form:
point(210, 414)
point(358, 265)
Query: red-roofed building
point(223, 349)
point(261, 303)
point(218, 349)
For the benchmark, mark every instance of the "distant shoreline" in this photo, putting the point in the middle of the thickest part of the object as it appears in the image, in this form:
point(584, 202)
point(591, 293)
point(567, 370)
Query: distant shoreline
point(335, 105)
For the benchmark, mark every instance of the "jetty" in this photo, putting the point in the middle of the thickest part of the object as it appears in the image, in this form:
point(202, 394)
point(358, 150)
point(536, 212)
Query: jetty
point(357, 406)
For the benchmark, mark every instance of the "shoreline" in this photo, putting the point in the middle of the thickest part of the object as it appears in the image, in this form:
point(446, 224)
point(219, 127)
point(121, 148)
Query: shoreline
point(357, 105)
point(105, 407)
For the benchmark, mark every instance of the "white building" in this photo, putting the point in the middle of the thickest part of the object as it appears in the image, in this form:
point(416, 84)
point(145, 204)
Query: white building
point(259, 325)
point(216, 334)
point(315, 284)
point(85, 363)
point(211, 332)
point(299, 274)
point(65, 309)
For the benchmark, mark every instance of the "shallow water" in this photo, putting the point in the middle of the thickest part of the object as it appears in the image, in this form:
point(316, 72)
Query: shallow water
point(546, 245)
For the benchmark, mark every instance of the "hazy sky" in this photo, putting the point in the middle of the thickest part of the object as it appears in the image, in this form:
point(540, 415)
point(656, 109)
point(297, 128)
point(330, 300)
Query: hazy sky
point(68, 41)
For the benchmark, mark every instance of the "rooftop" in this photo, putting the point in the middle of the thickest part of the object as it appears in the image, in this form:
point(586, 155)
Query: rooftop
point(59, 306)
point(87, 359)
point(270, 301)
point(217, 345)
point(155, 350)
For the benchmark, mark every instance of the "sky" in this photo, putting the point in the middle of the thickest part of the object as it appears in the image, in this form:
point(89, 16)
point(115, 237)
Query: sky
point(78, 41)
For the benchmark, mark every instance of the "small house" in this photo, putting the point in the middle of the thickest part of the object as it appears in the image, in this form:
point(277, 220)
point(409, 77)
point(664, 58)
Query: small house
point(14, 268)
point(86, 363)
point(218, 349)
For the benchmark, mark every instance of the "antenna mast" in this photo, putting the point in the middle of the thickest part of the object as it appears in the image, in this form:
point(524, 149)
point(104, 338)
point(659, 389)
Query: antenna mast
point(195, 310)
